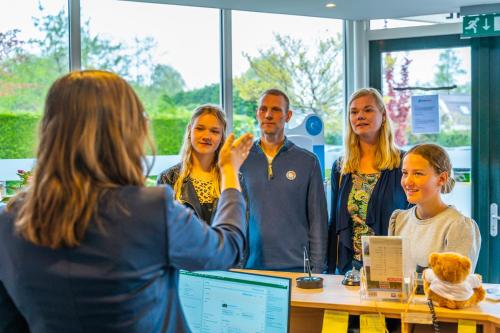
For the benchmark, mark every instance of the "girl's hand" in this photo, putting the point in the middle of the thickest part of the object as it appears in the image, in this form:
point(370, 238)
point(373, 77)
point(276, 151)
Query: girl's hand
point(231, 157)
point(234, 152)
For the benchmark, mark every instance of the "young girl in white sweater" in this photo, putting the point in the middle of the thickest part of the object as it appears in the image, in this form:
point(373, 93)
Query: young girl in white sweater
point(431, 225)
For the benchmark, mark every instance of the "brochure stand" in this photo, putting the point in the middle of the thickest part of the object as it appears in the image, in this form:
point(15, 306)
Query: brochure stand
point(383, 272)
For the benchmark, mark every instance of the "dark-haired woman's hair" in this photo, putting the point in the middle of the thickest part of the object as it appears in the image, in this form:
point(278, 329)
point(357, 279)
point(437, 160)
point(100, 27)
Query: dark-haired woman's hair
point(92, 138)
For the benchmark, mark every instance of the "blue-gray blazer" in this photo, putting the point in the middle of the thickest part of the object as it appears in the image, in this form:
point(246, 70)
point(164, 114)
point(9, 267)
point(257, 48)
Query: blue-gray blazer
point(122, 277)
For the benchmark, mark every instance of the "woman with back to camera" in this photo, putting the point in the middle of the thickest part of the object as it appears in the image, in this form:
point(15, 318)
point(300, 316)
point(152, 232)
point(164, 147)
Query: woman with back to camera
point(87, 247)
point(365, 181)
point(431, 225)
point(196, 180)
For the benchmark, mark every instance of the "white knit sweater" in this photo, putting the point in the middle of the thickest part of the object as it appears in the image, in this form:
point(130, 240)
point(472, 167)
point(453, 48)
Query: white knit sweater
point(449, 231)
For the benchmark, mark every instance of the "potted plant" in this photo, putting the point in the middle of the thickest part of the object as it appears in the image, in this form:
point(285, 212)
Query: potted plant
point(10, 188)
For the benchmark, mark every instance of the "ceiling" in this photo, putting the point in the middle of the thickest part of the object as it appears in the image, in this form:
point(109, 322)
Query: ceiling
point(345, 9)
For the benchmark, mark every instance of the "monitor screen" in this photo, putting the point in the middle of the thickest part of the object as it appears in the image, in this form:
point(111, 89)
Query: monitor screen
point(221, 301)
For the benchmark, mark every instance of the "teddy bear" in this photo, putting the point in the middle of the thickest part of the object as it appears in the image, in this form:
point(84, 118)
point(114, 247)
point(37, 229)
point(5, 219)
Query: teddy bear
point(448, 282)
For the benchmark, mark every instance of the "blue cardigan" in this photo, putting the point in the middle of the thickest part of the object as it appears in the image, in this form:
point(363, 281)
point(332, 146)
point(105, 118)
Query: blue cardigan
point(387, 196)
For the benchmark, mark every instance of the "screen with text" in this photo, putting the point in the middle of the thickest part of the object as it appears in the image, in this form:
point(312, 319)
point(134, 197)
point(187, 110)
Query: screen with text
point(221, 301)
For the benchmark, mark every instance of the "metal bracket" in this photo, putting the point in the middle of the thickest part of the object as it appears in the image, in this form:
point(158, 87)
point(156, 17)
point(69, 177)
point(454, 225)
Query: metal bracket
point(494, 220)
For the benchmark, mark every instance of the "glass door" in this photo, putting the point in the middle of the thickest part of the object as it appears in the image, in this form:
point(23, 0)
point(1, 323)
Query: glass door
point(426, 84)
point(428, 98)
point(459, 79)
point(486, 150)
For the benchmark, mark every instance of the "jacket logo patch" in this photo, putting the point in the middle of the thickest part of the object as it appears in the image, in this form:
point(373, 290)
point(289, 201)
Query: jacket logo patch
point(291, 175)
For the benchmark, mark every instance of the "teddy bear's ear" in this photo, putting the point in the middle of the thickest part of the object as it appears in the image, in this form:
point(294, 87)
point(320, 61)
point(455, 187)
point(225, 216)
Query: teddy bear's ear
point(433, 257)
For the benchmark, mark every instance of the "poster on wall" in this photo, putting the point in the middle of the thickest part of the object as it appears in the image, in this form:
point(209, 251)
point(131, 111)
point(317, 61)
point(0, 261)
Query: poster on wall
point(425, 114)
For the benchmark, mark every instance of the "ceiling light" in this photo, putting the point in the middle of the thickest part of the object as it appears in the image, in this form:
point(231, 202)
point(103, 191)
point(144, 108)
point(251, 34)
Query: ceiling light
point(330, 5)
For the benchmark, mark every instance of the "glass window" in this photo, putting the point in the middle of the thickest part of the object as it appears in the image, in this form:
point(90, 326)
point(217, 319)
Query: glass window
point(446, 74)
point(170, 54)
point(33, 53)
point(302, 56)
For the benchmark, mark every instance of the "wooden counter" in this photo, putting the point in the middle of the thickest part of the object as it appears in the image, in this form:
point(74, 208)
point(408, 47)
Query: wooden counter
point(307, 306)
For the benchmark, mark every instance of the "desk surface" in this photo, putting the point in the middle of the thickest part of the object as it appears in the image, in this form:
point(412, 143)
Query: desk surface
point(336, 296)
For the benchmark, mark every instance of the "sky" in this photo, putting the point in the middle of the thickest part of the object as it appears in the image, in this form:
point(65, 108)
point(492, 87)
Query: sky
point(188, 37)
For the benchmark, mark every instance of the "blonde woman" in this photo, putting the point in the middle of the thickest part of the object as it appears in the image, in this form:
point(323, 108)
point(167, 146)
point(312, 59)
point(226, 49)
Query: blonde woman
point(196, 180)
point(365, 182)
point(88, 247)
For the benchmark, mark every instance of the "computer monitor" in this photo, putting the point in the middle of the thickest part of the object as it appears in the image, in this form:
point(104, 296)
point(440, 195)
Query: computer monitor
point(221, 301)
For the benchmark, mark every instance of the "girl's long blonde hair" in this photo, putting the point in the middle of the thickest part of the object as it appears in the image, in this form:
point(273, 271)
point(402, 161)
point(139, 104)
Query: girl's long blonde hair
point(92, 137)
point(387, 155)
point(187, 150)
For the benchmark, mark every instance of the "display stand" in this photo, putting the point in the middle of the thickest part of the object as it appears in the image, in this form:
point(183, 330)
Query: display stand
point(383, 273)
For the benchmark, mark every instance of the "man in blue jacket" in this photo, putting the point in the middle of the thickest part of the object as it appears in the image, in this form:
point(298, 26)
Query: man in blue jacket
point(285, 194)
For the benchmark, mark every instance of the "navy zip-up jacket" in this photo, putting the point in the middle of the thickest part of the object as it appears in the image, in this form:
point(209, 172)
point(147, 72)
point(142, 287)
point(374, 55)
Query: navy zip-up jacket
point(387, 196)
point(286, 211)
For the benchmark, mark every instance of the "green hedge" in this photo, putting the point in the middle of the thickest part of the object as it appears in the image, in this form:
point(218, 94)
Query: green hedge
point(168, 133)
point(18, 133)
point(243, 124)
point(451, 138)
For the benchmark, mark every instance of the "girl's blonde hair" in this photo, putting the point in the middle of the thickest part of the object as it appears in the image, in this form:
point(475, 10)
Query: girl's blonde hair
point(387, 155)
point(187, 150)
point(439, 160)
point(92, 137)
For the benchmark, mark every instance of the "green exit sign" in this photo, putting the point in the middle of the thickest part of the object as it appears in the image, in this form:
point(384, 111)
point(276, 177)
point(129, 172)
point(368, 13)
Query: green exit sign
point(481, 25)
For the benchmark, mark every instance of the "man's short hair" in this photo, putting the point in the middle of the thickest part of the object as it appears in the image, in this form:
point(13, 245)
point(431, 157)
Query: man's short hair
point(276, 92)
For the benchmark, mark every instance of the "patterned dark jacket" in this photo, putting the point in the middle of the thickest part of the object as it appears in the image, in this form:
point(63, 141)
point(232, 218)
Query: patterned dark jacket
point(188, 195)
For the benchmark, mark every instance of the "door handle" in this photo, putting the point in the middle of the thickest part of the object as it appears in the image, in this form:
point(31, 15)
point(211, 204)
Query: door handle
point(494, 220)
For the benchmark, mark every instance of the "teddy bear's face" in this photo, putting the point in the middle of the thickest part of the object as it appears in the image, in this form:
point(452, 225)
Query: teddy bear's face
point(450, 267)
